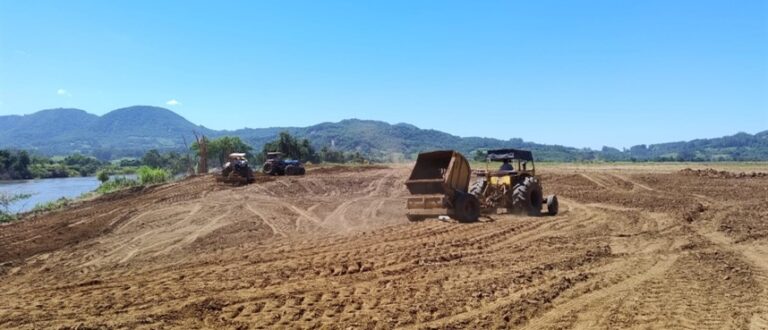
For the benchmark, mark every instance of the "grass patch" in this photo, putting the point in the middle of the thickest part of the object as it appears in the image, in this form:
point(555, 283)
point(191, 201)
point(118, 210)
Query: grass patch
point(6, 200)
point(116, 184)
point(148, 175)
point(51, 206)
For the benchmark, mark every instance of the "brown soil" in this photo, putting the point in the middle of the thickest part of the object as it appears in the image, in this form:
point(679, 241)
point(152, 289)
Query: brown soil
point(333, 249)
point(712, 173)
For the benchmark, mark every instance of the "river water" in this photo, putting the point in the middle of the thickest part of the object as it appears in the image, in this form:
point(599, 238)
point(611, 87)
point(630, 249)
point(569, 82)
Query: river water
point(46, 190)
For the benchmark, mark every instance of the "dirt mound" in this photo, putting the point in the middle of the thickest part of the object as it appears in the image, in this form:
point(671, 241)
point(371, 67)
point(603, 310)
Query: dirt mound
point(333, 249)
point(712, 173)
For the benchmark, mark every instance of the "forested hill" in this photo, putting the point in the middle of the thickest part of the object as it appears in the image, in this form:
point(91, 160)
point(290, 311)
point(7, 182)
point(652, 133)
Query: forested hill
point(134, 130)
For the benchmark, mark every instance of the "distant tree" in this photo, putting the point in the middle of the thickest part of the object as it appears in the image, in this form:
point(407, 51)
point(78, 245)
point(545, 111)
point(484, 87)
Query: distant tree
point(292, 148)
point(331, 156)
point(129, 162)
point(103, 176)
point(84, 165)
point(219, 149)
point(479, 155)
point(153, 159)
point(226, 145)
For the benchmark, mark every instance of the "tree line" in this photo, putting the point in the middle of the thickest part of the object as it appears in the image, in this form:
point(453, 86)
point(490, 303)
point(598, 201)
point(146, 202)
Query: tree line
point(291, 147)
point(20, 164)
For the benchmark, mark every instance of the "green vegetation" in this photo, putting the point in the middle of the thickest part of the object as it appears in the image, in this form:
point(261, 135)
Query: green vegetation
point(292, 148)
point(52, 205)
point(103, 176)
point(6, 200)
point(116, 184)
point(14, 165)
point(148, 175)
point(220, 148)
point(172, 161)
point(302, 149)
point(21, 165)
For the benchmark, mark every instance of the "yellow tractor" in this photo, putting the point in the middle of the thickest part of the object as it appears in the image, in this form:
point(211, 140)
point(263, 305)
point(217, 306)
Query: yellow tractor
point(440, 185)
point(514, 187)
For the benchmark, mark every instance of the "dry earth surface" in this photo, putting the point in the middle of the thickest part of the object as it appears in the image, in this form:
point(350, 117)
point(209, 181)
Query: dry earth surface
point(632, 248)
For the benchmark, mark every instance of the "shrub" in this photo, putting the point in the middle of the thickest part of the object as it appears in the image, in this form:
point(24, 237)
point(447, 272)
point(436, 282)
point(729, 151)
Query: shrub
point(52, 205)
point(116, 184)
point(148, 175)
point(103, 176)
point(5, 203)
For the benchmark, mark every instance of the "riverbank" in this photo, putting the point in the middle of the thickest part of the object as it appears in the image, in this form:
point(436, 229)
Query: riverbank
point(44, 191)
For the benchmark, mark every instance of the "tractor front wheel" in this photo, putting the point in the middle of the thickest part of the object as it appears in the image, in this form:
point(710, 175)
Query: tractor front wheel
point(552, 204)
point(268, 169)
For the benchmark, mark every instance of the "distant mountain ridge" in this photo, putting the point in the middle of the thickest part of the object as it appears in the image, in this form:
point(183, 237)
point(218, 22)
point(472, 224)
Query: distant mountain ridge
point(131, 131)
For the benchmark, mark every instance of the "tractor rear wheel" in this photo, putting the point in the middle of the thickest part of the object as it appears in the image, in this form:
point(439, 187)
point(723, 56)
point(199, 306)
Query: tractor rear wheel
point(290, 170)
point(466, 208)
point(268, 169)
point(527, 197)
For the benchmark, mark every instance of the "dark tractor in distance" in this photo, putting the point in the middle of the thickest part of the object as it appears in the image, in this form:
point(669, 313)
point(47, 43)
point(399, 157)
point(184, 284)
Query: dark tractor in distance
point(276, 165)
point(236, 170)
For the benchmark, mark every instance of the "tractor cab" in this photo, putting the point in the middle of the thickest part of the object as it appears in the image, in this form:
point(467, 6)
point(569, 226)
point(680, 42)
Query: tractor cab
point(274, 156)
point(235, 159)
point(236, 156)
point(514, 162)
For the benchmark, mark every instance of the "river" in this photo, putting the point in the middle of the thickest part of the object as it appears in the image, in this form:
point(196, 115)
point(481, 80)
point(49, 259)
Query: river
point(46, 190)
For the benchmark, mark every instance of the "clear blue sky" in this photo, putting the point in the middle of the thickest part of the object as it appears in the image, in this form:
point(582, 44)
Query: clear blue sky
point(577, 73)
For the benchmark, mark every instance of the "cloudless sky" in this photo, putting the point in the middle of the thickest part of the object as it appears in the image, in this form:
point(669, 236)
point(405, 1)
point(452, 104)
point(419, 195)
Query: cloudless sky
point(577, 73)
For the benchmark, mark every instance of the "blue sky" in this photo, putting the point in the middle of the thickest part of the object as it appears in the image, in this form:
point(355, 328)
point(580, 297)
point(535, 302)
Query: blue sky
point(577, 73)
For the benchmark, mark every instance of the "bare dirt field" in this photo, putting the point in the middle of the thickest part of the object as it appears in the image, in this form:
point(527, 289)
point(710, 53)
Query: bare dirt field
point(631, 248)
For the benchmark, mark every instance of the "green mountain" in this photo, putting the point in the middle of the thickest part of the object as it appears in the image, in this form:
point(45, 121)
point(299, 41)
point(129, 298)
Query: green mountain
point(134, 130)
point(122, 132)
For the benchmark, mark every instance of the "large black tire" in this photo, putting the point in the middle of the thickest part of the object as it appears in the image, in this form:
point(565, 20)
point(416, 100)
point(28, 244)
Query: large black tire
point(477, 188)
point(466, 208)
point(553, 206)
point(290, 170)
point(225, 171)
point(235, 179)
point(268, 169)
point(249, 177)
point(302, 171)
point(527, 197)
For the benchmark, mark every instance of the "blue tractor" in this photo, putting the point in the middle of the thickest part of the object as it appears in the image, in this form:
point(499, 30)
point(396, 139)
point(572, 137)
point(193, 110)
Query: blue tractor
point(276, 165)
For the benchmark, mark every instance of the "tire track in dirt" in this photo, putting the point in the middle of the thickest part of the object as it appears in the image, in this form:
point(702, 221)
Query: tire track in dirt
point(759, 261)
point(594, 180)
point(263, 219)
point(584, 301)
